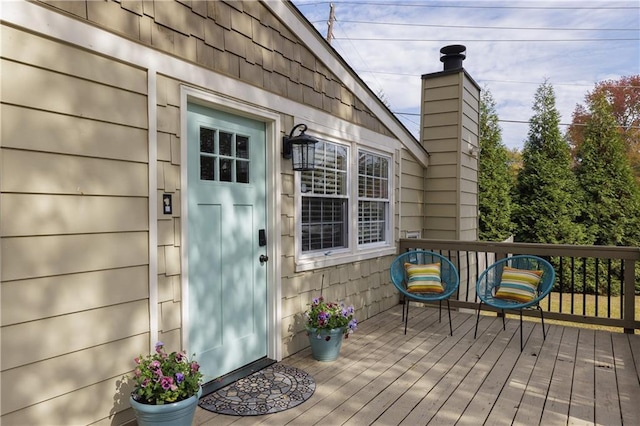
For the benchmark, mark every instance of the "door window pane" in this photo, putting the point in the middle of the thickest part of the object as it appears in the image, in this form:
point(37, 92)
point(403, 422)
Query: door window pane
point(224, 156)
point(207, 140)
point(226, 142)
point(242, 146)
point(226, 172)
point(242, 171)
point(207, 168)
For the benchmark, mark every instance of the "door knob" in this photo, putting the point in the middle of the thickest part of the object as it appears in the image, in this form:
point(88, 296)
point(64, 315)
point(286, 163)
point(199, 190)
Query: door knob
point(263, 258)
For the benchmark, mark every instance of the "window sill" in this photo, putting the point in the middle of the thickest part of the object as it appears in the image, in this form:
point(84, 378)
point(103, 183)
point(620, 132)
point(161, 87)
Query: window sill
point(310, 264)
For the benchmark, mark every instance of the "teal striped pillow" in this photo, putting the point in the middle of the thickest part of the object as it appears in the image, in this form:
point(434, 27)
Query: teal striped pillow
point(424, 278)
point(520, 285)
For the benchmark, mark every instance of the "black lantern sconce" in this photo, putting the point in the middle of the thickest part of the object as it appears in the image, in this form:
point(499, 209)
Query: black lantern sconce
point(300, 149)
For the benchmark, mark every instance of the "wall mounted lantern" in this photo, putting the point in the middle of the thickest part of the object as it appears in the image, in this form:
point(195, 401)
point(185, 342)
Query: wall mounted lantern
point(300, 149)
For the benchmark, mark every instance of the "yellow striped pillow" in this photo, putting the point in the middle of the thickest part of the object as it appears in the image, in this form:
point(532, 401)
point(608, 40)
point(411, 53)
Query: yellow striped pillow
point(520, 285)
point(424, 278)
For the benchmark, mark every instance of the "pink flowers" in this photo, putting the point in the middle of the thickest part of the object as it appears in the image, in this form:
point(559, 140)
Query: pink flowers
point(329, 316)
point(323, 318)
point(161, 378)
point(167, 383)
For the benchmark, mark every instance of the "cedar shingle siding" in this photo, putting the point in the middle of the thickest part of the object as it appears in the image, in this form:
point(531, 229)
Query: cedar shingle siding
point(240, 39)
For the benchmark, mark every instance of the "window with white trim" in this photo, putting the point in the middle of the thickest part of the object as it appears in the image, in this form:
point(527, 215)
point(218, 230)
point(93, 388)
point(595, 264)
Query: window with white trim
point(373, 198)
point(345, 203)
point(325, 199)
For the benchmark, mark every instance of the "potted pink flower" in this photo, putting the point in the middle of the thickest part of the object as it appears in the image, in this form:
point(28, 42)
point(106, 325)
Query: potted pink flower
point(167, 386)
point(327, 323)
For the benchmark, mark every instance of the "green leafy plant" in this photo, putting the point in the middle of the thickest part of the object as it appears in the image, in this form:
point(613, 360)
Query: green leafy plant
point(162, 378)
point(323, 315)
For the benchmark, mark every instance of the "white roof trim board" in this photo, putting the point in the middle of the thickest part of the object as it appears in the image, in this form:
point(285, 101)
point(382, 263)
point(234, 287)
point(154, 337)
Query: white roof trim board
point(347, 76)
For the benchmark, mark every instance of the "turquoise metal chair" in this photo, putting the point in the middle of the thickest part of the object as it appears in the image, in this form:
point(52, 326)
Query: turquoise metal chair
point(448, 276)
point(490, 280)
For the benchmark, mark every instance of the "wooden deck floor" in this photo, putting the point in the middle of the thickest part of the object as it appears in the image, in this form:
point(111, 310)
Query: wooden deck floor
point(577, 376)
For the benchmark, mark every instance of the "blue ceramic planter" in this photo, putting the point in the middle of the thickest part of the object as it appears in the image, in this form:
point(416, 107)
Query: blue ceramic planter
point(174, 414)
point(325, 344)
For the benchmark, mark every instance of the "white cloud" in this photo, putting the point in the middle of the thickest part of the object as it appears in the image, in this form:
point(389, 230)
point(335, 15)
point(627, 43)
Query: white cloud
point(512, 70)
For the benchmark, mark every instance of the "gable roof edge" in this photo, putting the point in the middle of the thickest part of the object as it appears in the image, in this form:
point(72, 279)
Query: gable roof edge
point(302, 28)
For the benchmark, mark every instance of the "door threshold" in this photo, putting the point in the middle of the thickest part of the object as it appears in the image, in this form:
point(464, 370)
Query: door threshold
point(236, 375)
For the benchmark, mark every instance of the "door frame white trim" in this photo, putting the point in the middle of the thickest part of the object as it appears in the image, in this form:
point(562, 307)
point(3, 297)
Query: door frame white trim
point(152, 101)
point(273, 183)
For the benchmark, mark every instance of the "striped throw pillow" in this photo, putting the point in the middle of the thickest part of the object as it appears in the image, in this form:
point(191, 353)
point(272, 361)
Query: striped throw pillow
point(424, 278)
point(520, 285)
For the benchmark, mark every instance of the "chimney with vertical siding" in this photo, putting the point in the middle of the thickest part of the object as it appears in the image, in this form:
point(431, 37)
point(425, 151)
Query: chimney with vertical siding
point(449, 130)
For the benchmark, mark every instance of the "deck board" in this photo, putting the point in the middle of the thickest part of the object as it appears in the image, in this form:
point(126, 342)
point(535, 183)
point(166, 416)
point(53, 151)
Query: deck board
point(626, 375)
point(426, 377)
point(468, 373)
point(509, 401)
point(411, 370)
point(535, 392)
point(432, 390)
point(391, 367)
point(431, 369)
point(556, 407)
point(500, 356)
point(606, 393)
point(582, 405)
point(635, 348)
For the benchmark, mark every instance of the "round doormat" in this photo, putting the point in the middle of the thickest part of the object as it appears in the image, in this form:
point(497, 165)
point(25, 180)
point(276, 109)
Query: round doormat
point(272, 389)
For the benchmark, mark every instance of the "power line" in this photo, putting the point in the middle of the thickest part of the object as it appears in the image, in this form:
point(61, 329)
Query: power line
point(366, 65)
point(403, 24)
point(422, 4)
point(537, 83)
point(554, 84)
point(413, 114)
point(417, 40)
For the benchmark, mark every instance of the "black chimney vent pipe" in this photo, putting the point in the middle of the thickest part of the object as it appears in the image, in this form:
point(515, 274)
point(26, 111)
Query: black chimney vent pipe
point(452, 56)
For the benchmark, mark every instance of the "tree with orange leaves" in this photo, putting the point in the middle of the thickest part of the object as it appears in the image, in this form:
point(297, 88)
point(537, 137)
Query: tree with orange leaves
point(623, 96)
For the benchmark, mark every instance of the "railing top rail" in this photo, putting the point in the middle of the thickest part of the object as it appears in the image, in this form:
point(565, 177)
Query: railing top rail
point(602, 252)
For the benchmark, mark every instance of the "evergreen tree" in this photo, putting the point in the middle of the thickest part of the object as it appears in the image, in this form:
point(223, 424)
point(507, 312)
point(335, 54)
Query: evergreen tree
point(547, 201)
point(494, 179)
point(612, 206)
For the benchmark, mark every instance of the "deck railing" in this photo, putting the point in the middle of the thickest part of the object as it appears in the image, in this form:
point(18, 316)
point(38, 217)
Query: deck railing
point(594, 284)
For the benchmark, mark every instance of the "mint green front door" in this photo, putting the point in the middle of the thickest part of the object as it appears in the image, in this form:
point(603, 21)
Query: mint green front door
point(226, 211)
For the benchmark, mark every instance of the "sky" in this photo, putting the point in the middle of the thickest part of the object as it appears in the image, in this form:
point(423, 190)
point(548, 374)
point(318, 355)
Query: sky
point(512, 47)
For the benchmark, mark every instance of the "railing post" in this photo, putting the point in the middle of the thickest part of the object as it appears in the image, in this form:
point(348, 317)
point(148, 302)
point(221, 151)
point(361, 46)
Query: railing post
point(629, 294)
